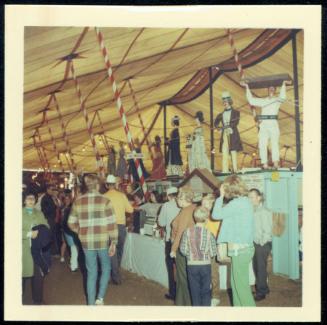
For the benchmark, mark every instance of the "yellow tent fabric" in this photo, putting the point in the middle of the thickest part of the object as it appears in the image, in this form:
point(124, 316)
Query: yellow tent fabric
point(159, 63)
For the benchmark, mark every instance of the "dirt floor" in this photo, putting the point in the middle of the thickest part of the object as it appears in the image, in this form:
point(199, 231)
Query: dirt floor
point(63, 287)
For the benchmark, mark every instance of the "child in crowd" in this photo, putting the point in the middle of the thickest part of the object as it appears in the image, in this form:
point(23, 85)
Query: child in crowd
point(199, 246)
point(213, 226)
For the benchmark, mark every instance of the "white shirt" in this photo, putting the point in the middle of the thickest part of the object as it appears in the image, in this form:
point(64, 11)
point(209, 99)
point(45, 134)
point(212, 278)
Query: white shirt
point(168, 213)
point(262, 225)
point(226, 117)
point(269, 106)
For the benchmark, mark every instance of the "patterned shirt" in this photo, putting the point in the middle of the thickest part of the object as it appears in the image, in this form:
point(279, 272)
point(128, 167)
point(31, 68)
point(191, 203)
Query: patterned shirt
point(198, 245)
point(93, 218)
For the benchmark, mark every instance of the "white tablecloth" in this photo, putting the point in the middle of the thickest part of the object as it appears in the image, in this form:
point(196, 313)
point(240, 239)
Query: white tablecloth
point(145, 256)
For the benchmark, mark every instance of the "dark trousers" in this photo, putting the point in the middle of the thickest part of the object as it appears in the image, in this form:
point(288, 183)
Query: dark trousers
point(55, 237)
point(183, 297)
point(260, 258)
point(36, 284)
point(116, 259)
point(199, 277)
point(170, 268)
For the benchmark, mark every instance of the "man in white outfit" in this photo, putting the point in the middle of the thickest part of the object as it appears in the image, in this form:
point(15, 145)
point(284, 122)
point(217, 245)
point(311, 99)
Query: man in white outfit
point(268, 121)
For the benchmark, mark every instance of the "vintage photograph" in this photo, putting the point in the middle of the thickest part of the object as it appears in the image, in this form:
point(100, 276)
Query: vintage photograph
point(162, 166)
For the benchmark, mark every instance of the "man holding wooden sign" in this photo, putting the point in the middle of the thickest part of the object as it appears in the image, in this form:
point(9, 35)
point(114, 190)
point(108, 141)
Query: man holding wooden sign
point(268, 120)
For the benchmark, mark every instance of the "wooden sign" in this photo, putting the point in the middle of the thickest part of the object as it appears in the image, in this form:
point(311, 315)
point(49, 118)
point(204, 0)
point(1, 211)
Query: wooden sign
point(132, 155)
point(275, 80)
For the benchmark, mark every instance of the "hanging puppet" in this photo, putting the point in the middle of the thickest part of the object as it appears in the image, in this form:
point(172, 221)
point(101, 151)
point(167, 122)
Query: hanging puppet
point(188, 147)
point(175, 162)
point(230, 141)
point(111, 166)
point(158, 169)
point(132, 168)
point(122, 164)
point(198, 158)
point(268, 121)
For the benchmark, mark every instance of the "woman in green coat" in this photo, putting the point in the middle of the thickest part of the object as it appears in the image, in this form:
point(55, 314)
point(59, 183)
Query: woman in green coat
point(31, 217)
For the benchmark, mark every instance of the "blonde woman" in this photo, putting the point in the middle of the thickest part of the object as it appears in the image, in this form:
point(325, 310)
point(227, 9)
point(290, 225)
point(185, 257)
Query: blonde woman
point(237, 230)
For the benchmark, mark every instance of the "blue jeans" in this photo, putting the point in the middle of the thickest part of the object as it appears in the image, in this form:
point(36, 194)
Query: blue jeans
point(199, 277)
point(116, 259)
point(92, 273)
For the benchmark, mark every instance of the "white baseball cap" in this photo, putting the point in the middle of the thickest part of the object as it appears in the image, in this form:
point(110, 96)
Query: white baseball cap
point(172, 190)
point(111, 179)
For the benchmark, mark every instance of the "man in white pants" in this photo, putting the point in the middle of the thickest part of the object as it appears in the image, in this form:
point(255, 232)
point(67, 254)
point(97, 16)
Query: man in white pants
point(268, 121)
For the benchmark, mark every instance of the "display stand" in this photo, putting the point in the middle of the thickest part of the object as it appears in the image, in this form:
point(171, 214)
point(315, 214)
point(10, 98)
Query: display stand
point(282, 193)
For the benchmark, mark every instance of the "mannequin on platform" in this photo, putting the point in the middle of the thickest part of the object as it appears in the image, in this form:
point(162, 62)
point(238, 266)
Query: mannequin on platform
point(198, 158)
point(230, 141)
point(122, 164)
point(268, 121)
point(175, 162)
point(158, 169)
point(111, 167)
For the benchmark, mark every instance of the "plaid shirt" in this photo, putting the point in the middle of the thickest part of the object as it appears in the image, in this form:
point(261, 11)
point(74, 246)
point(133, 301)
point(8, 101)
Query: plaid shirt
point(198, 245)
point(93, 218)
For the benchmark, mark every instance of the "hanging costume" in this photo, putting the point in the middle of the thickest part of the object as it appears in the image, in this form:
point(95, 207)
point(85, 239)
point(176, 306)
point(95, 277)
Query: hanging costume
point(230, 141)
point(175, 162)
point(198, 157)
point(111, 167)
point(132, 168)
point(158, 169)
point(269, 128)
point(122, 164)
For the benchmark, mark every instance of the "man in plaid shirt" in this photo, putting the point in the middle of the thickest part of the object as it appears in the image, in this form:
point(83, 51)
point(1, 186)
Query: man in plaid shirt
point(93, 219)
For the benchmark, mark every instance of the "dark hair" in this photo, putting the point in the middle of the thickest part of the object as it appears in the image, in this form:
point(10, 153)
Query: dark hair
point(29, 193)
point(158, 196)
point(91, 181)
point(256, 191)
point(230, 101)
point(175, 122)
point(67, 191)
point(157, 139)
point(199, 116)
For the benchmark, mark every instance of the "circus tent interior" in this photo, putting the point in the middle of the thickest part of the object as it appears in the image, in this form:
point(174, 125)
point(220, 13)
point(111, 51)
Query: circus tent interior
point(159, 73)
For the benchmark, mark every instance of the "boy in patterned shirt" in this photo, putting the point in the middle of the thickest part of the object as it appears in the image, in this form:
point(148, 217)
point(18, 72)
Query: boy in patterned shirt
point(199, 246)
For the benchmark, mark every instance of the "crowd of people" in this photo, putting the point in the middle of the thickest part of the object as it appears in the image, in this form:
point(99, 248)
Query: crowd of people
point(94, 222)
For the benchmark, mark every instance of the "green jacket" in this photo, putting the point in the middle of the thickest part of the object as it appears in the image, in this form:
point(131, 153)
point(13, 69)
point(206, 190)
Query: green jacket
point(29, 221)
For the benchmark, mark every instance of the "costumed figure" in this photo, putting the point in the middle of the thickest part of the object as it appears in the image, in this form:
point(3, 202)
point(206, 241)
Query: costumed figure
point(111, 167)
point(122, 164)
point(189, 154)
point(158, 169)
point(132, 168)
point(175, 162)
point(230, 141)
point(199, 158)
point(268, 121)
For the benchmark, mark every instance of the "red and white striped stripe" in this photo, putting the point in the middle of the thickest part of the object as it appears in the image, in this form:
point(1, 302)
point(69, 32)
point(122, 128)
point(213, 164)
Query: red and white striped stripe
point(88, 122)
point(238, 62)
point(53, 142)
point(141, 120)
point(68, 147)
point(120, 108)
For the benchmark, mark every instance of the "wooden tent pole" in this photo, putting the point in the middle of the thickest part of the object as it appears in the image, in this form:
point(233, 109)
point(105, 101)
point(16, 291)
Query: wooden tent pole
point(297, 106)
point(211, 121)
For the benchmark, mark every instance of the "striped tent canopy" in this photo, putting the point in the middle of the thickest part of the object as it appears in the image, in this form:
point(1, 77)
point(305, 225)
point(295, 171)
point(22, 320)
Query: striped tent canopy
point(158, 66)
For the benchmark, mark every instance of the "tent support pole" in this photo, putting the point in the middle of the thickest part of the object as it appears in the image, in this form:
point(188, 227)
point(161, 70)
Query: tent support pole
point(165, 129)
point(297, 106)
point(212, 155)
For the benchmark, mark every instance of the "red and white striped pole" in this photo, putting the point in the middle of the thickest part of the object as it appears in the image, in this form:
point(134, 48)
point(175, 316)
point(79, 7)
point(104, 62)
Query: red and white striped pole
point(88, 122)
point(68, 148)
point(120, 108)
point(53, 141)
point(140, 118)
point(238, 63)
